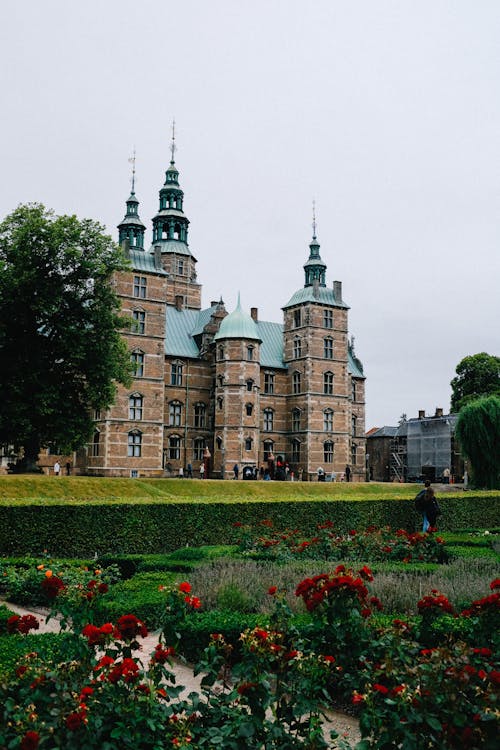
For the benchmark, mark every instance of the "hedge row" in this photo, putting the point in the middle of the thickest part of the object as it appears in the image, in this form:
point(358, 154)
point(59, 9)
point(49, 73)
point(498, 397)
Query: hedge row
point(83, 530)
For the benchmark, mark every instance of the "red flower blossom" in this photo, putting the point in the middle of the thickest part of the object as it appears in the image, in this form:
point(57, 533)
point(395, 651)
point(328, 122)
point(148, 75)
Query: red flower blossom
point(103, 588)
point(129, 627)
point(246, 687)
point(185, 587)
point(24, 624)
point(161, 655)
point(329, 659)
point(30, 741)
point(381, 688)
point(366, 573)
point(357, 698)
point(52, 586)
point(272, 590)
point(75, 720)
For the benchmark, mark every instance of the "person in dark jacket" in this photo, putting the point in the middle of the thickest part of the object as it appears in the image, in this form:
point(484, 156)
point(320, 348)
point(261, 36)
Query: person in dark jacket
point(427, 505)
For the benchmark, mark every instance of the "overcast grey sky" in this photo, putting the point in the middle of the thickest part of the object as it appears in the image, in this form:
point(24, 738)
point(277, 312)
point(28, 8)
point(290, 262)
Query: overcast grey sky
point(386, 112)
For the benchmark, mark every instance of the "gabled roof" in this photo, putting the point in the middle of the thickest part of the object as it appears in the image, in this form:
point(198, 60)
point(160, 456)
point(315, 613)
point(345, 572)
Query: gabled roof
point(354, 366)
point(378, 432)
point(271, 349)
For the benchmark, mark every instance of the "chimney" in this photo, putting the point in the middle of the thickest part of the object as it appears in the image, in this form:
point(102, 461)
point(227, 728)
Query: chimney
point(126, 247)
point(254, 313)
point(421, 414)
point(157, 256)
point(439, 412)
point(315, 288)
point(337, 291)
point(179, 302)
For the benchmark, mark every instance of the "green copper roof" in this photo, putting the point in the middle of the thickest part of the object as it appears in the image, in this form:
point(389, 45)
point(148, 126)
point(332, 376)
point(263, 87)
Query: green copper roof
point(271, 348)
point(173, 246)
point(182, 326)
point(323, 295)
point(144, 261)
point(354, 366)
point(238, 325)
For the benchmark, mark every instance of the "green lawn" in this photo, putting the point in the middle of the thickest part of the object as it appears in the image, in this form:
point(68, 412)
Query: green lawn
point(52, 490)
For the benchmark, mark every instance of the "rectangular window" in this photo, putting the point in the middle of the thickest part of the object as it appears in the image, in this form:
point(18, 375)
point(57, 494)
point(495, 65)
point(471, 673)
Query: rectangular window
point(328, 453)
point(175, 411)
point(353, 424)
point(198, 448)
point(296, 382)
point(138, 321)
point(328, 383)
point(199, 415)
point(140, 287)
point(297, 348)
point(176, 373)
point(328, 348)
point(295, 451)
point(180, 267)
point(137, 359)
point(174, 448)
point(296, 318)
point(269, 382)
point(249, 353)
point(353, 386)
point(296, 420)
point(268, 420)
point(328, 318)
point(135, 407)
point(328, 420)
point(134, 444)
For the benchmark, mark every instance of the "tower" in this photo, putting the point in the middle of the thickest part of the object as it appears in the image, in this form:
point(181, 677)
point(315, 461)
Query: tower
point(170, 240)
point(237, 386)
point(131, 228)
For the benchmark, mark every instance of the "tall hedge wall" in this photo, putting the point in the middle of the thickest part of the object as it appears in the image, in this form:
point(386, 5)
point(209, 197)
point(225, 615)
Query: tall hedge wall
point(81, 529)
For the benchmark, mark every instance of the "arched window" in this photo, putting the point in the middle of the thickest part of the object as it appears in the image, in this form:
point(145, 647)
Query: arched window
point(96, 443)
point(137, 359)
point(297, 347)
point(328, 420)
point(218, 441)
point(328, 452)
point(295, 451)
point(220, 352)
point(176, 373)
point(174, 447)
point(135, 406)
point(220, 402)
point(220, 380)
point(296, 382)
point(268, 420)
point(248, 443)
point(249, 409)
point(174, 413)
point(328, 347)
point(250, 351)
point(296, 420)
point(134, 448)
point(328, 383)
point(200, 415)
point(249, 385)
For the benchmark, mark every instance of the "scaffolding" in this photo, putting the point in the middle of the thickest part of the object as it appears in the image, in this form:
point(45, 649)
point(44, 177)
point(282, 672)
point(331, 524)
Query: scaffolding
point(422, 449)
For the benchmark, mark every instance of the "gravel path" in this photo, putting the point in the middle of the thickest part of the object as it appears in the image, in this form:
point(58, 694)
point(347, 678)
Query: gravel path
point(345, 725)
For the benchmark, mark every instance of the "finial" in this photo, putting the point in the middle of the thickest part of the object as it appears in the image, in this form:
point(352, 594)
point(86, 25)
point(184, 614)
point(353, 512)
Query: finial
point(132, 161)
point(314, 219)
point(172, 147)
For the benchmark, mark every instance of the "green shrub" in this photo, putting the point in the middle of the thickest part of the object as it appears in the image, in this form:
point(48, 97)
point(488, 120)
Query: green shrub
point(5, 613)
point(198, 628)
point(140, 596)
point(50, 646)
point(112, 528)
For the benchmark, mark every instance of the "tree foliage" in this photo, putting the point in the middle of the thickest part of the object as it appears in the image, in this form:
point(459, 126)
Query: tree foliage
point(477, 375)
point(478, 432)
point(61, 352)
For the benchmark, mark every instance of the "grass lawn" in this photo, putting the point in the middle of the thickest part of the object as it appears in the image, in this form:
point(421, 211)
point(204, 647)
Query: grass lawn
point(52, 490)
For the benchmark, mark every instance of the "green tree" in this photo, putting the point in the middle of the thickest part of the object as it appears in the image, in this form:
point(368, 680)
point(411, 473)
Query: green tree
point(477, 375)
point(478, 432)
point(61, 352)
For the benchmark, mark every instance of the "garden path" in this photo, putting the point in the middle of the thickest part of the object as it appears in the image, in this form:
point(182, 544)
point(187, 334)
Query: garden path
point(347, 726)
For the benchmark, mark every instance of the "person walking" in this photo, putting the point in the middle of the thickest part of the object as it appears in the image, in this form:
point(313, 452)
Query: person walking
point(57, 468)
point(202, 471)
point(427, 505)
point(347, 473)
point(236, 470)
point(190, 471)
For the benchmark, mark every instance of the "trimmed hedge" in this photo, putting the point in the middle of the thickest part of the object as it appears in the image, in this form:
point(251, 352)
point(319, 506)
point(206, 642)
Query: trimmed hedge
point(150, 528)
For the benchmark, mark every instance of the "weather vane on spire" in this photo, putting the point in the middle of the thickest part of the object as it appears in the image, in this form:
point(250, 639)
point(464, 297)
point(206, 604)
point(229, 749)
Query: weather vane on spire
point(173, 147)
point(132, 161)
point(314, 219)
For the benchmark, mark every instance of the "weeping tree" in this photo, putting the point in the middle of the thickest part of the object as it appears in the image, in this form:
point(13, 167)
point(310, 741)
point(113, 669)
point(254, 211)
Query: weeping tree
point(478, 432)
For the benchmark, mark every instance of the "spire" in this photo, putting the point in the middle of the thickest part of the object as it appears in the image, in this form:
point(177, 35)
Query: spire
point(170, 225)
point(173, 146)
point(131, 227)
point(315, 268)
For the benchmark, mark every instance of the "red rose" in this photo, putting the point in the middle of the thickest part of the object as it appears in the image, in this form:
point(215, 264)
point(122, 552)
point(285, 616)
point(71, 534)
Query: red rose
point(185, 587)
point(30, 741)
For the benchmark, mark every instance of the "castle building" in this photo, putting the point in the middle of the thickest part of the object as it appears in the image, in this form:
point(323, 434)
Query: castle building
point(218, 389)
